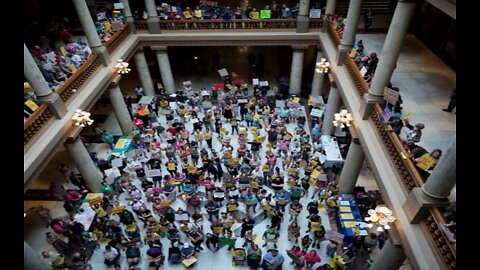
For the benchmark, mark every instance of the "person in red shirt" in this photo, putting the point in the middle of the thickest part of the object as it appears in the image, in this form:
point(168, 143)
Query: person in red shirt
point(65, 36)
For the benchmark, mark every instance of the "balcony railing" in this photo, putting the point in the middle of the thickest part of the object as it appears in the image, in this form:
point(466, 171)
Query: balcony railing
point(404, 166)
point(178, 25)
point(71, 86)
point(39, 118)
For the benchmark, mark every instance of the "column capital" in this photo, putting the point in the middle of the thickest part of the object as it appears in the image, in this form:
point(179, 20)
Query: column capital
point(74, 135)
point(159, 48)
point(299, 47)
point(115, 80)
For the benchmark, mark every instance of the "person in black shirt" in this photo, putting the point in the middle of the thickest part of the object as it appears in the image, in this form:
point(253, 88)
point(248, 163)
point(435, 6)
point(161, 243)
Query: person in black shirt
point(212, 239)
point(212, 209)
point(276, 219)
point(312, 207)
point(247, 225)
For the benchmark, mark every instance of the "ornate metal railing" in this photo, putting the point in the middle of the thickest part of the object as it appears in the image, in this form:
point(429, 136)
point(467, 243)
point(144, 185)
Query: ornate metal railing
point(176, 25)
point(404, 166)
point(39, 118)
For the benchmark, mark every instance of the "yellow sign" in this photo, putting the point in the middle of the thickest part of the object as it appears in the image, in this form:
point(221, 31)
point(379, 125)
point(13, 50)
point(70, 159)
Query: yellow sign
point(346, 216)
point(171, 166)
point(312, 181)
point(121, 143)
point(254, 185)
point(31, 104)
point(72, 68)
point(350, 224)
point(118, 209)
point(198, 13)
point(63, 51)
point(315, 174)
point(231, 208)
point(189, 262)
point(345, 209)
point(296, 100)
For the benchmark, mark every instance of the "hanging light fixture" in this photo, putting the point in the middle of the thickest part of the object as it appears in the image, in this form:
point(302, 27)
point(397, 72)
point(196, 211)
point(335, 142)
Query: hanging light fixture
point(122, 67)
point(342, 119)
point(381, 216)
point(82, 118)
point(323, 66)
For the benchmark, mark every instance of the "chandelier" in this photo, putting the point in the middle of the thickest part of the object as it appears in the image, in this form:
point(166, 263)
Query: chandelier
point(82, 118)
point(323, 66)
point(122, 67)
point(381, 216)
point(342, 119)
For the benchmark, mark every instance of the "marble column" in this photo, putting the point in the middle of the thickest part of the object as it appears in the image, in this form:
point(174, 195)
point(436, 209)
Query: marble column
point(91, 32)
point(351, 168)
point(84, 163)
point(297, 69)
point(120, 108)
point(44, 94)
point(388, 58)
point(318, 78)
point(329, 10)
point(144, 73)
point(333, 107)
point(153, 19)
point(348, 37)
point(32, 260)
point(390, 257)
point(302, 18)
point(165, 69)
point(444, 176)
point(435, 192)
point(128, 16)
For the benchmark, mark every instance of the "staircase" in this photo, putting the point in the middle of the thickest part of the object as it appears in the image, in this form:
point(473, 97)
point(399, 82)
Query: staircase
point(379, 7)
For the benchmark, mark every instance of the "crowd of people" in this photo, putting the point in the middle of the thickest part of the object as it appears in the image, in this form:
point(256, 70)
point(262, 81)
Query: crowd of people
point(229, 162)
point(209, 10)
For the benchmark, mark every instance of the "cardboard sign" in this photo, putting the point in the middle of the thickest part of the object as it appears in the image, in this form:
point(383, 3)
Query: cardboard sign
point(334, 236)
point(118, 162)
point(205, 93)
point(315, 174)
point(223, 72)
point(296, 100)
point(263, 83)
point(32, 105)
point(390, 95)
point(265, 14)
point(315, 13)
point(316, 112)
point(181, 217)
point(154, 173)
point(255, 82)
point(189, 262)
point(232, 208)
point(72, 68)
point(118, 209)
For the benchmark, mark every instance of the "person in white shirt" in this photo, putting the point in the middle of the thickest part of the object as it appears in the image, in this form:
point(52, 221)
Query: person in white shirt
point(139, 92)
point(111, 255)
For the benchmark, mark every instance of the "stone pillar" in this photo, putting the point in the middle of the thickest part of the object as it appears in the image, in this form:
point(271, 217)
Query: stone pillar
point(144, 73)
point(120, 107)
point(348, 38)
point(165, 69)
point(388, 58)
point(352, 167)
point(390, 257)
point(333, 107)
point(84, 163)
point(435, 192)
point(302, 18)
point(329, 10)
point(32, 260)
point(318, 78)
point(44, 94)
point(297, 69)
point(128, 16)
point(153, 19)
point(90, 31)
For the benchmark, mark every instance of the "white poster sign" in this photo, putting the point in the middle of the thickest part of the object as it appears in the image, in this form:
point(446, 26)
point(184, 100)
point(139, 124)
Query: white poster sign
point(118, 162)
point(334, 236)
point(390, 95)
point(154, 173)
point(315, 13)
point(223, 72)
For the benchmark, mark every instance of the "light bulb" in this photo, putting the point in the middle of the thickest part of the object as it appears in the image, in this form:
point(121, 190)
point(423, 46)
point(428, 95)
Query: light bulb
point(380, 229)
point(387, 227)
point(370, 225)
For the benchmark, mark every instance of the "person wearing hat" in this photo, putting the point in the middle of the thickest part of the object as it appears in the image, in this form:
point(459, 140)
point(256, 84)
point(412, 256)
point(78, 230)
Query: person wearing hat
point(415, 132)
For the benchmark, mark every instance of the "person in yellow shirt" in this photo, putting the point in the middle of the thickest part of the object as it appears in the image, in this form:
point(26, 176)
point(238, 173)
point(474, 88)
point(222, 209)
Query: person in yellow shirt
point(187, 13)
point(198, 13)
point(426, 163)
point(208, 138)
point(199, 137)
point(255, 15)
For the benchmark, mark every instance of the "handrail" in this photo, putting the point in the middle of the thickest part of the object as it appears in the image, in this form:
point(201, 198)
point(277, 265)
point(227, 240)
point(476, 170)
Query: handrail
point(35, 122)
point(75, 81)
point(447, 251)
point(117, 38)
point(234, 24)
point(333, 34)
point(404, 166)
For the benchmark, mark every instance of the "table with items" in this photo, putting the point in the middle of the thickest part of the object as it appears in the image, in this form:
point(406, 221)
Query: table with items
point(332, 150)
point(349, 219)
